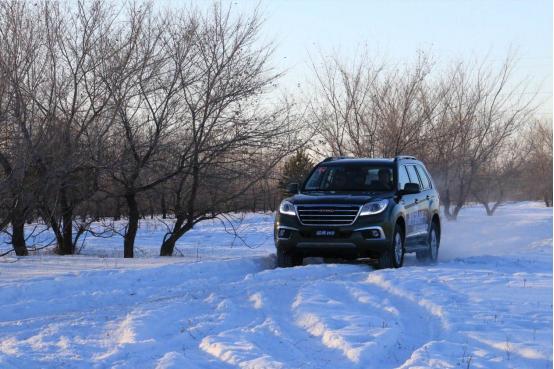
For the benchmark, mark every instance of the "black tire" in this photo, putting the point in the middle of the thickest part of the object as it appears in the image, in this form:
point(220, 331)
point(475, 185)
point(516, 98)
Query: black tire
point(393, 257)
point(433, 242)
point(287, 260)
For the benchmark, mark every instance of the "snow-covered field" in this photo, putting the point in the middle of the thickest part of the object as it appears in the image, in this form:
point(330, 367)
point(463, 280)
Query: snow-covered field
point(487, 304)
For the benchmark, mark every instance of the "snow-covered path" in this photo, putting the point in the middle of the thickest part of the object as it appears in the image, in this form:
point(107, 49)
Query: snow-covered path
point(487, 304)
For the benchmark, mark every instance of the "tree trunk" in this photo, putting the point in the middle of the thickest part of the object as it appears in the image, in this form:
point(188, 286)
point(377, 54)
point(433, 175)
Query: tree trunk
point(487, 208)
point(164, 207)
point(97, 211)
point(496, 205)
point(446, 203)
point(168, 245)
point(184, 219)
point(18, 232)
point(117, 215)
point(131, 233)
point(51, 220)
point(457, 209)
point(66, 246)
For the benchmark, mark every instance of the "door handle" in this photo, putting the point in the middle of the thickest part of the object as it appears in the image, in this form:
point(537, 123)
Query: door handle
point(428, 197)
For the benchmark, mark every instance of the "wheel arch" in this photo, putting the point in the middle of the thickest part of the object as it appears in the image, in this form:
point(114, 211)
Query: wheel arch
point(402, 223)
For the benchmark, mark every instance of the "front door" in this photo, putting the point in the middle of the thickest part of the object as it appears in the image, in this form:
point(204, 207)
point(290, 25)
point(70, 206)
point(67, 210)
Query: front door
point(418, 216)
point(409, 202)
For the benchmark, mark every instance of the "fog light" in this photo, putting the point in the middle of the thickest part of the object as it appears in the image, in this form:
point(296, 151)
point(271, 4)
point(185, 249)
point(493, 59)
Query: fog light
point(284, 233)
point(371, 233)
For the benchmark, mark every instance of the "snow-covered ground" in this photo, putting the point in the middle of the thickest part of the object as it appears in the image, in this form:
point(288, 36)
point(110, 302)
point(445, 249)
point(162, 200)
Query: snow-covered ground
point(487, 304)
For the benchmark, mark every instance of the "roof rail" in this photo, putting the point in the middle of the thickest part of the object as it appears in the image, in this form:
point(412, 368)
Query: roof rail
point(330, 158)
point(405, 157)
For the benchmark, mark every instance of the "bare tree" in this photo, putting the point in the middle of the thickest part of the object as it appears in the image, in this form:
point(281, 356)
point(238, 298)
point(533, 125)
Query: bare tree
point(406, 107)
point(21, 48)
point(458, 121)
point(537, 171)
point(500, 176)
point(144, 146)
point(343, 111)
point(231, 143)
point(367, 109)
point(72, 100)
point(484, 109)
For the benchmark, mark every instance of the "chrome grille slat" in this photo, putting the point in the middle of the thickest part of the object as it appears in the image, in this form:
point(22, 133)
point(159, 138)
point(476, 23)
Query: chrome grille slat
point(341, 210)
point(331, 215)
point(328, 220)
point(305, 213)
point(326, 215)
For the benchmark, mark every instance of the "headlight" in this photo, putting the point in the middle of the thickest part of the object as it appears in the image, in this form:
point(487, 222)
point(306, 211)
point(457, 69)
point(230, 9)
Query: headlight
point(374, 207)
point(287, 208)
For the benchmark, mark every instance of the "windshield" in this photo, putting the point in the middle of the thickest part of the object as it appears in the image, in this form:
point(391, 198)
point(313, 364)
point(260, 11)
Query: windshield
point(350, 177)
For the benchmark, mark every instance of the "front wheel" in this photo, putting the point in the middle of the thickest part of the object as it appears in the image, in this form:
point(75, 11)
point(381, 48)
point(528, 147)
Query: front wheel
point(287, 259)
point(393, 257)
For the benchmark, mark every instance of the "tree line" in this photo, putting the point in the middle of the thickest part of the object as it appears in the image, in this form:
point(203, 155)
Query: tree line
point(105, 110)
point(472, 124)
point(113, 113)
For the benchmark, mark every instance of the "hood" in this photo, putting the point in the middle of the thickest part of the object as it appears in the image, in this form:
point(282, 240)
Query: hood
point(337, 198)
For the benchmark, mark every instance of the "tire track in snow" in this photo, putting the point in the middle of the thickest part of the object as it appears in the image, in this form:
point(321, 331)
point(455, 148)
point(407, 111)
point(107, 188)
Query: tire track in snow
point(370, 324)
point(262, 331)
point(319, 315)
point(423, 321)
point(108, 318)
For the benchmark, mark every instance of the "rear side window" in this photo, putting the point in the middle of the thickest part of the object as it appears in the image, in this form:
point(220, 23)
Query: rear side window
point(402, 177)
point(426, 183)
point(413, 175)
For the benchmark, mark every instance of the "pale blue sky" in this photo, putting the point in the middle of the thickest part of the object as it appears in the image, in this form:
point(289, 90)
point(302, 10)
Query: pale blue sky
point(395, 30)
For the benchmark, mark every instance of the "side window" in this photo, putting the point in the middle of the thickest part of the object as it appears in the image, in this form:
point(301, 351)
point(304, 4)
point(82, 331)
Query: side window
point(424, 178)
point(402, 177)
point(413, 175)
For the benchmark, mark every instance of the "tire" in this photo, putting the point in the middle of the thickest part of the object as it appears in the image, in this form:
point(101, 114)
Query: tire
point(393, 257)
point(287, 260)
point(433, 242)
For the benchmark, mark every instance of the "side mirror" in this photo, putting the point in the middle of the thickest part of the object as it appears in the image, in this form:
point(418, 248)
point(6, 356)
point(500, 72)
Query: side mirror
point(409, 189)
point(292, 188)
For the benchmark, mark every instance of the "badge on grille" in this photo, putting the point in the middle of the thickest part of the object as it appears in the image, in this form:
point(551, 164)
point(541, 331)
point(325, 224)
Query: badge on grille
point(324, 232)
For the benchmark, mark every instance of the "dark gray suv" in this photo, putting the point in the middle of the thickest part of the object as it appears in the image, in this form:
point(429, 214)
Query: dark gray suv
point(359, 208)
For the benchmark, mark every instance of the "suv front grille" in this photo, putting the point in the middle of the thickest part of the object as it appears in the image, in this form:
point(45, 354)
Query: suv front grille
point(335, 215)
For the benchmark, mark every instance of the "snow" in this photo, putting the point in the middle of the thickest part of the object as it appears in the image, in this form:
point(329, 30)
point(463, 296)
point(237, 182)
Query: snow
point(486, 304)
point(226, 238)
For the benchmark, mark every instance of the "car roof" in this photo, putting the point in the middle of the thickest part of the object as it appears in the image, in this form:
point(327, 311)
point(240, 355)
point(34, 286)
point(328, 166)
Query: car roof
point(361, 161)
point(370, 161)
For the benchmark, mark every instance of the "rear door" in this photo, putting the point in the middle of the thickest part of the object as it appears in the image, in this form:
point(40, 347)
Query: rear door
point(427, 196)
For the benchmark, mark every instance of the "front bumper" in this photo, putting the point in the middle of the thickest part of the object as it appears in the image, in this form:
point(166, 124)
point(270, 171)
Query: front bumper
point(353, 241)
